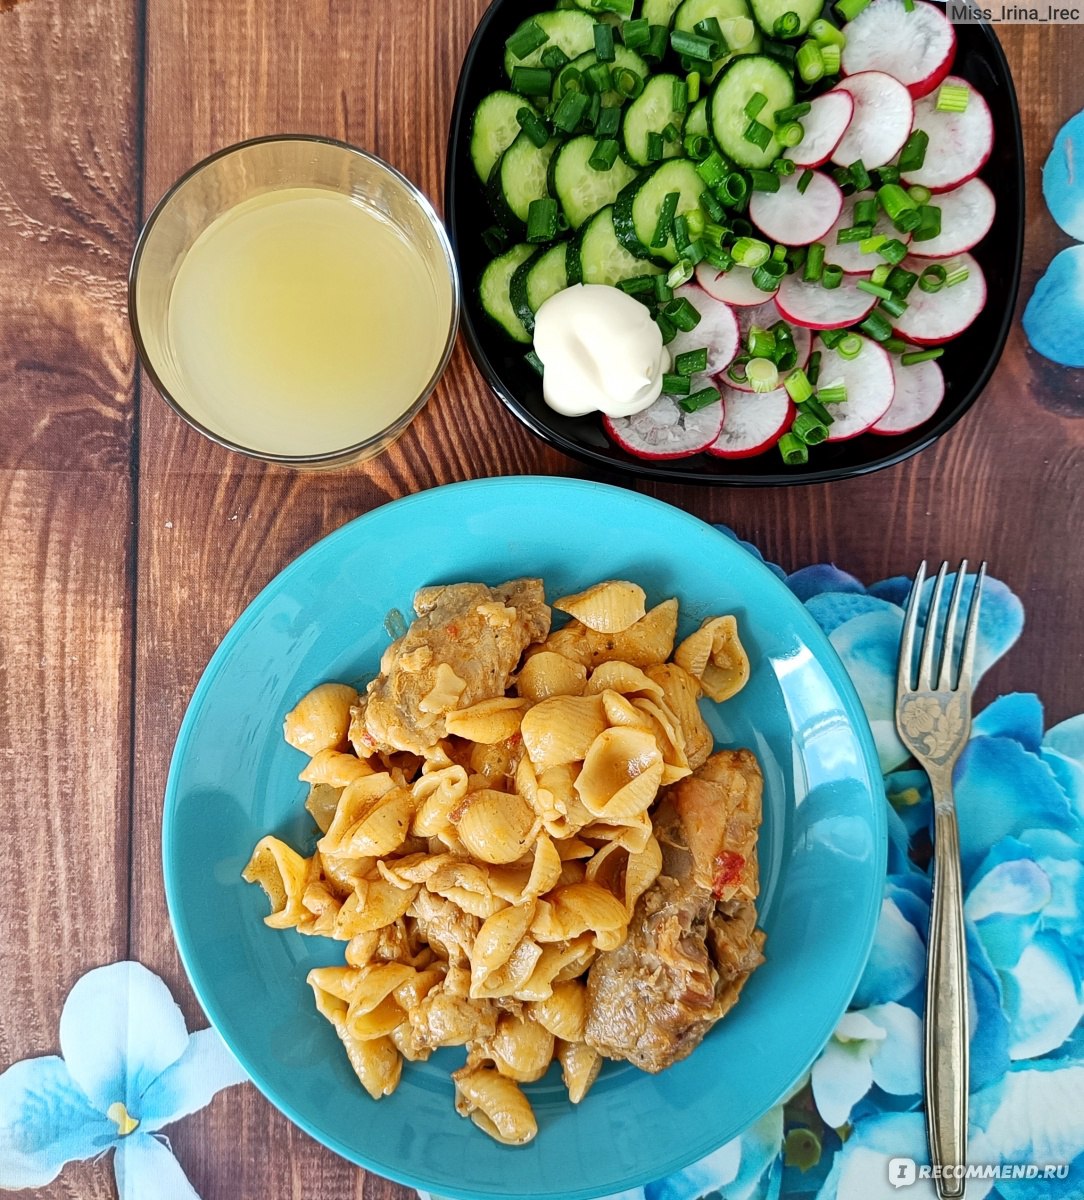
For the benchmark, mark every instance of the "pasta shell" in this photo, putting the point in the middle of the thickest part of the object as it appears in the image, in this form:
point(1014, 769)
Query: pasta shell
point(645, 643)
point(564, 1012)
point(402, 1038)
point(682, 693)
point(354, 802)
point(380, 826)
point(608, 607)
point(498, 937)
point(508, 979)
point(321, 719)
point(626, 875)
point(321, 804)
point(560, 730)
point(412, 868)
point(410, 993)
point(580, 1065)
point(621, 677)
point(547, 674)
point(332, 988)
point(577, 908)
point(344, 872)
point(668, 737)
point(376, 1062)
point(489, 721)
point(436, 794)
point(283, 874)
point(467, 885)
point(334, 768)
point(497, 762)
point(716, 657)
point(496, 827)
point(633, 834)
point(559, 962)
point(620, 711)
point(621, 774)
point(374, 904)
point(324, 906)
point(520, 1049)
point(495, 1104)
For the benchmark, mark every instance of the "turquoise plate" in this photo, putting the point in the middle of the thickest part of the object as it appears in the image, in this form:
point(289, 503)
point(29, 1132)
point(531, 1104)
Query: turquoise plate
point(233, 779)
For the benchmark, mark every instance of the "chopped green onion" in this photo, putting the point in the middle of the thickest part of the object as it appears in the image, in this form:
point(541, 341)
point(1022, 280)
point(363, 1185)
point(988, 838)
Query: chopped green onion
point(554, 58)
point(656, 148)
point(804, 181)
point(787, 25)
point(736, 370)
point(599, 78)
point(692, 362)
point(760, 342)
point(813, 370)
point(865, 211)
point(717, 257)
point(608, 123)
point(692, 45)
point(783, 167)
point(832, 337)
point(882, 293)
point(953, 97)
point(909, 6)
point(794, 451)
point(849, 9)
point(920, 356)
point(656, 43)
point(569, 112)
point(853, 233)
point(843, 178)
point(871, 244)
point(681, 233)
point(676, 385)
point(700, 399)
point(695, 223)
point(670, 132)
point(892, 251)
point(762, 374)
point(623, 8)
point(901, 281)
point(526, 40)
point(887, 174)
point(698, 146)
point(919, 194)
point(836, 394)
point(861, 180)
point(933, 278)
point(604, 43)
point(692, 87)
point(740, 227)
point(666, 327)
point(533, 126)
point(680, 273)
point(957, 273)
point(760, 135)
point(713, 169)
point(898, 206)
point(711, 206)
point(750, 252)
point(733, 189)
point(604, 155)
point(594, 108)
point(814, 407)
point(876, 326)
point(792, 112)
point(849, 346)
point(832, 58)
point(638, 285)
point(894, 345)
point(895, 306)
point(495, 239)
point(831, 276)
point(798, 386)
point(534, 362)
point(532, 81)
point(712, 233)
point(682, 313)
point(789, 134)
point(779, 253)
point(810, 61)
point(809, 429)
point(680, 101)
point(826, 33)
point(767, 276)
point(786, 353)
point(754, 104)
point(664, 293)
point(913, 154)
point(814, 263)
point(665, 224)
point(542, 220)
point(636, 33)
point(929, 223)
point(880, 274)
point(626, 83)
point(763, 181)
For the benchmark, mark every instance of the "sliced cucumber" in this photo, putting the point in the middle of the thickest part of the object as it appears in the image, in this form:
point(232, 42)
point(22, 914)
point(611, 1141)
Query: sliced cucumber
point(582, 190)
point(651, 112)
point(636, 213)
point(573, 265)
point(547, 276)
point(609, 11)
point(603, 257)
point(570, 29)
point(767, 12)
point(741, 80)
point(623, 57)
point(495, 290)
point(494, 129)
point(520, 177)
point(517, 289)
point(735, 20)
point(659, 12)
point(697, 120)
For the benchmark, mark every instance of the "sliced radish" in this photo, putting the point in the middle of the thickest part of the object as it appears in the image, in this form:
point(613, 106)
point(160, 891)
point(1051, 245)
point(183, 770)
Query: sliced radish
point(764, 316)
point(735, 286)
point(817, 307)
point(920, 388)
point(870, 387)
point(960, 142)
point(967, 212)
point(665, 430)
point(717, 331)
point(916, 47)
point(823, 126)
point(754, 422)
point(849, 255)
point(932, 317)
point(797, 218)
point(883, 113)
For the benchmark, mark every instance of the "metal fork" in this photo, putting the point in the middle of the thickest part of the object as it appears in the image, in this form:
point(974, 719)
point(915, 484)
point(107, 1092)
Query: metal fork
point(934, 721)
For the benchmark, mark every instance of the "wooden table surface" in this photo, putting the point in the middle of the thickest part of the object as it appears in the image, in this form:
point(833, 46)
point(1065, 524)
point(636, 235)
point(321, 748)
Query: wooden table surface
point(128, 544)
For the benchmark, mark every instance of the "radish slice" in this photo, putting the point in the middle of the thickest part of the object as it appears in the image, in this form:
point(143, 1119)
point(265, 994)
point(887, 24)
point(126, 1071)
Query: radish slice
point(870, 387)
point(932, 317)
point(665, 430)
point(797, 218)
point(916, 47)
point(754, 422)
point(765, 316)
point(816, 307)
point(849, 255)
point(735, 286)
point(823, 126)
point(967, 213)
point(883, 113)
point(960, 142)
point(717, 330)
point(920, 388)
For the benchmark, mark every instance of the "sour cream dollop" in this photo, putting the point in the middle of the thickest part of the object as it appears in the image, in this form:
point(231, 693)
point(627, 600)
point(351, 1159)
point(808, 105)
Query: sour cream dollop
point(601, 351)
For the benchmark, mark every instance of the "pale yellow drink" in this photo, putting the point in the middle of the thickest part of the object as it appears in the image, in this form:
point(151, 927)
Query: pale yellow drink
point(303, 322)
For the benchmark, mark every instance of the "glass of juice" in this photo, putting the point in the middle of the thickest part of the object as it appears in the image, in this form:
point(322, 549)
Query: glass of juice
point(295, 299)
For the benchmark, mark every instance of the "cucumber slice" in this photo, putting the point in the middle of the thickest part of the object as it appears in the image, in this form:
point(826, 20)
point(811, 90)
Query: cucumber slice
point(767, 12)
point(623, 57)
point(570, 29)
point(697, 120)
point(582, 190)
point(660, 12)
point(649, 113)
point(547, 276)
point(603, 257)
point(495, 290)
point(573, 265)
point(726, 111)
point(735, 20)
point(518, 178)
point(636, 213)
point(494, 129)
point(517, 289)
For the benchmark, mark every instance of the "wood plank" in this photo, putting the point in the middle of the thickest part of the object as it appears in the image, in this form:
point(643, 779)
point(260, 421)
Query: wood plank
point(68, 209)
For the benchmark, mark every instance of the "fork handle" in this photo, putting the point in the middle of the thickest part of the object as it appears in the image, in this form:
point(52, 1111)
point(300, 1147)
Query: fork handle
point(946, 1060)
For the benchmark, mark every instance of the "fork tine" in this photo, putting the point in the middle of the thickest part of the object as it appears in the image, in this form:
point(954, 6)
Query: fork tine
point(948, 638)
point(929, 637)
point(971, 632)
point(905, 672)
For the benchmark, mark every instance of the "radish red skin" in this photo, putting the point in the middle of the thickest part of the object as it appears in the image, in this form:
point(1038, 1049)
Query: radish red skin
point(938, 70)
point(904, 414)
point(926, 117)
point(944, 299)
point(793, 315)
point(698, 447)
point(839, 109)
point(783, 423)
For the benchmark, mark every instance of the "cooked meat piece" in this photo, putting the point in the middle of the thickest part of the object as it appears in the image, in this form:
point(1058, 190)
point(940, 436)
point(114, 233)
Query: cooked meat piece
point(687, 955)
point(463, 648)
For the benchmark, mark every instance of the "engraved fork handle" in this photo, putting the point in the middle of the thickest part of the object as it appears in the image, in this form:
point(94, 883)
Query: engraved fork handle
point(946, 1030)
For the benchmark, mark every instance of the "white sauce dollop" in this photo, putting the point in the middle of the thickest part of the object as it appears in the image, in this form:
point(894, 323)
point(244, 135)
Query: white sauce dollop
point(601, 351)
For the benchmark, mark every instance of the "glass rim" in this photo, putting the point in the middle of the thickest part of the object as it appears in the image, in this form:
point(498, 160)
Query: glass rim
point(329, 457)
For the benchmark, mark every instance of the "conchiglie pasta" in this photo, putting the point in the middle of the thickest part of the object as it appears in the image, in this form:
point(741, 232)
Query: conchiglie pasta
point(561, 729)
point(645, 643)
point(621, 774)
point(283, 874)
point(547, 674)
point(372, 827)
point(716, 657)
point(495, 1104)
point(489, 721)
point(579, 908)
point(322, 803)
point(622, 677)
point(496, 827)
point(682, 693)
point(321, 719)
point(520, 1049)
point(580, 1065)
point(334, 768)
point(374, 904)
point(564, 1012)
point(609, 607)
